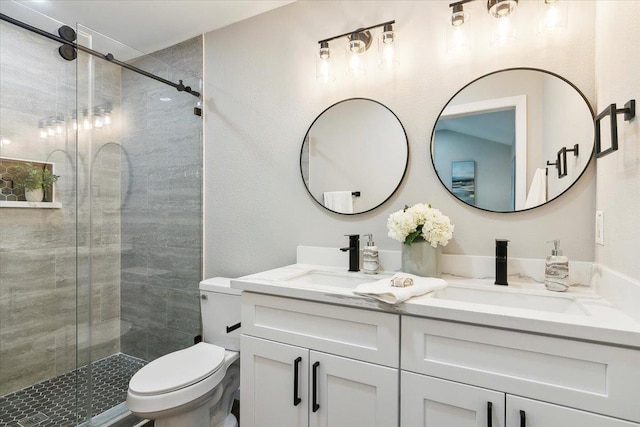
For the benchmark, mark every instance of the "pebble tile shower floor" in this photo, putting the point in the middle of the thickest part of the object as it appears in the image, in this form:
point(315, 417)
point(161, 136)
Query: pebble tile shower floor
point(55, 399)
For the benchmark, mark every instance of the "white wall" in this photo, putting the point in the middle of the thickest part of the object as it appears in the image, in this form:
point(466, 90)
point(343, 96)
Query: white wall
point(263, 95)
point(618, 188)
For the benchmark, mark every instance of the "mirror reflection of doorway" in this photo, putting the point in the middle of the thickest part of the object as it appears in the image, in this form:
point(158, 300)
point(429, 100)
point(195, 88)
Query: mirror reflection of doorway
point(481, 148)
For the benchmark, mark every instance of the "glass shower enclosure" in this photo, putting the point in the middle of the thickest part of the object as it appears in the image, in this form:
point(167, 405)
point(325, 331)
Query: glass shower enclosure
point(100, 274)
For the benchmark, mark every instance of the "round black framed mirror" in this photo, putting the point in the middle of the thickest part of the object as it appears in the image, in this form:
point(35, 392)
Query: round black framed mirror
point(513, 140)
point(354, 156)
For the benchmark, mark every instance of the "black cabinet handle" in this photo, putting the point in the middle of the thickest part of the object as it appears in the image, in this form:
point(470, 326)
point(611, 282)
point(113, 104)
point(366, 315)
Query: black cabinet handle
point(233, 327)
point(523, 419)
point(296, 367)
point(489, 414)
point(316, 405)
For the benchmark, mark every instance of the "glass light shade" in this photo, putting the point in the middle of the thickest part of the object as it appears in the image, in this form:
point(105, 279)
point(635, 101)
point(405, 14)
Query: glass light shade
point(50, 129)
point(74, 124)
point(59, 127)
point(43, 133)
point(97, 122)
point(4, 141)
point(86, 122)
point(458, 18)
point(356, 46)
point(388, 49)
point(553, 16)
point(107, 118)
point(504, 32)
point(459, 37)
point(355, 64)
point(324, 71)
point(502, 8)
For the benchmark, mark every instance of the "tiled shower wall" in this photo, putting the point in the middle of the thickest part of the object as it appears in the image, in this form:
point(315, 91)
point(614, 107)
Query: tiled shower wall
point(162, 205)
point(38, 259)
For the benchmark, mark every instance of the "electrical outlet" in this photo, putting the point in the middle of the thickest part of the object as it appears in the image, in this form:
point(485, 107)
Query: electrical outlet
point(600, 228)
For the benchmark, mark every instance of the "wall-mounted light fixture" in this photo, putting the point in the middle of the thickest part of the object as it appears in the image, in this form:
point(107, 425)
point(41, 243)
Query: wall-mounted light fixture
point(358, 43)
point(97, 118)
point(51, 126)
point(552, 16)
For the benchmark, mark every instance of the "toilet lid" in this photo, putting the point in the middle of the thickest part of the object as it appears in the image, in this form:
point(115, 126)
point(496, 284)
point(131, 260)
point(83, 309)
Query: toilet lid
point(178, 369)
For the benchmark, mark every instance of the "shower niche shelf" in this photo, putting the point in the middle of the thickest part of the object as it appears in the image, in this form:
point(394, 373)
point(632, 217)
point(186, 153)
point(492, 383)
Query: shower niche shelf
point(12, 198)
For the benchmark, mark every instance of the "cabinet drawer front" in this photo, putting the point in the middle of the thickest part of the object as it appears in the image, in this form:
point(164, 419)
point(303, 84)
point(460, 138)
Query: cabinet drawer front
point(359, 334)
point(431, 402)
point(595, 377)
point(540, 414)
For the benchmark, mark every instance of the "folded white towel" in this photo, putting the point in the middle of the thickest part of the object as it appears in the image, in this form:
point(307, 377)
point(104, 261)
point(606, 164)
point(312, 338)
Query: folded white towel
point(383, 291)
point(538, 190)
point(339, 201)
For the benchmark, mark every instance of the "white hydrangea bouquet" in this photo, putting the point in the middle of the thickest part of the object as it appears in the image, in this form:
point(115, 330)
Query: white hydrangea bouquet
point(420, 221)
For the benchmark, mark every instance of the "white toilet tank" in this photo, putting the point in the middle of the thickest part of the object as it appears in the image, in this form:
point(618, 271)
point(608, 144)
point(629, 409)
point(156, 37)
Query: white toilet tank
point(220, 307)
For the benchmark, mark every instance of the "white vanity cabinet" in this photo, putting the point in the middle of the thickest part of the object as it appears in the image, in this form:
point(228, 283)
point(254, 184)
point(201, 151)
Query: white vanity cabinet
point(346, 361)
point(432, 402)
point(456, 369)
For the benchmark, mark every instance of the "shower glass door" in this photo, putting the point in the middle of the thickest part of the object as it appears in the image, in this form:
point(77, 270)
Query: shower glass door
point(139, 214)
point(100, 275)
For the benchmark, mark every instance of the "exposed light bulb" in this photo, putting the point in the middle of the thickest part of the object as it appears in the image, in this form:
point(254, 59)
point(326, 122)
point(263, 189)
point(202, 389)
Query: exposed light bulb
point(323, 63)
point(59, 127)
point(107, 118)
point(388, 48)
point(50, 130)
point(97, 122)
point(43, 133)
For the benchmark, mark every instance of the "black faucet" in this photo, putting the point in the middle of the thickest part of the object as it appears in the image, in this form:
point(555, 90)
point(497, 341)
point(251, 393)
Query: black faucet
point(501, 262)
point(354, 251)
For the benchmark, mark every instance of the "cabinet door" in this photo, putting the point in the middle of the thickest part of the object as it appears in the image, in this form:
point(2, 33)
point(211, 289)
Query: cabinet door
point(351, 393)
point(432, 402)
point(531, 413)
point(269, 392)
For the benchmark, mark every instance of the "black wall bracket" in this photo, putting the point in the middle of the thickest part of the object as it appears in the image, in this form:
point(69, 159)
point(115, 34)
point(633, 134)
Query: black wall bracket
point(612, 111)
point(562, 159)
point(556, 164)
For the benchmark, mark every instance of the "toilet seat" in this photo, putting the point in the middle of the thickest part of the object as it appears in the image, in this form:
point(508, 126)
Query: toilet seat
point(177, 370)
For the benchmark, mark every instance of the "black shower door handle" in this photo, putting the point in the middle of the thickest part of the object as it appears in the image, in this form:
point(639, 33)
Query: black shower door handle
point(523, 419)
point(296, 368)
point(489, 414)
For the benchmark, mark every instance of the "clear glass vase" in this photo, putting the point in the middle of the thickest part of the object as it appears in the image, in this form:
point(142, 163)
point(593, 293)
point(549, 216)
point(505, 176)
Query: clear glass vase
point(421, 259)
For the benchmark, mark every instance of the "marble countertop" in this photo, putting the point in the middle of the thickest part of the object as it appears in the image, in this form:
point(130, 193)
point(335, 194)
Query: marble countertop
point(600, 321)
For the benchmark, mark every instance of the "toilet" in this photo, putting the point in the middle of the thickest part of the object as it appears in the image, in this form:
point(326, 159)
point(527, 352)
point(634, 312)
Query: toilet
point(195, 387)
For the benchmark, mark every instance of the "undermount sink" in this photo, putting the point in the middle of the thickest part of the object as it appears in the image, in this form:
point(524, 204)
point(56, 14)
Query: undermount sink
point(527, 301)
point(336, 280)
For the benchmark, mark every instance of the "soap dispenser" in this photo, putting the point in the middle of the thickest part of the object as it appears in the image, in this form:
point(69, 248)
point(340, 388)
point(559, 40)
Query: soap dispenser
point(370, 262)
point(556, 269)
